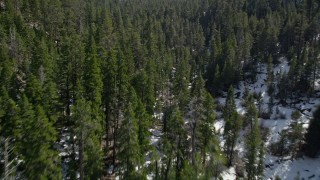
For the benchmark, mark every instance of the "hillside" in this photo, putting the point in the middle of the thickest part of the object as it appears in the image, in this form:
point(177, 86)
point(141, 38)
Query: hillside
point(286, 166)
point(159, 89)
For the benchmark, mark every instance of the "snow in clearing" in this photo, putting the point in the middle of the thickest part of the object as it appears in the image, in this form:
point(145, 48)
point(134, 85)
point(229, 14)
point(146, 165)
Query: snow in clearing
point(280, 119)
point(287, 168)
point(229, 174)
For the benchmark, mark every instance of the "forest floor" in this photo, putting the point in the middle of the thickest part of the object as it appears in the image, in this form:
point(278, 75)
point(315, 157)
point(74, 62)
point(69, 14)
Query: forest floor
point(286, 167)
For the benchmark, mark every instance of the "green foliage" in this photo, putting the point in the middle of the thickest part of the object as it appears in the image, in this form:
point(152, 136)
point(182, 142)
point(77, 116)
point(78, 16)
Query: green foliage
point(72, 64)
point(129, 151)
point(277, 177)
point(254, 154)
point(34, 90)
point(144, 123)
point(8, 114)
point(92, 76)
point(87, 132)
point(295, 115)
point(173, 143)
point(232, 126)
point(41, 161)
point(230, 105)
point(270, 70)
point(206, 131)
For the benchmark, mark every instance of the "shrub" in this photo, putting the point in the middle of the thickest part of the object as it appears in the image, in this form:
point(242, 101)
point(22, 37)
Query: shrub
point(281, 147)
point(295, 115)
point(277, 177)
point(265, 115)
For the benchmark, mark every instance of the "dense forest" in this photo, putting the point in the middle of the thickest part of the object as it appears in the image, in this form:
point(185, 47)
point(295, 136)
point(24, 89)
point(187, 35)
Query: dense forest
point(84, 84)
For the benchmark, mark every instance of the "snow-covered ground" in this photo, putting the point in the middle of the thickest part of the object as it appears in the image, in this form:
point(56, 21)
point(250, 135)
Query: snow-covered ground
point(289, 168)
point(285, 168)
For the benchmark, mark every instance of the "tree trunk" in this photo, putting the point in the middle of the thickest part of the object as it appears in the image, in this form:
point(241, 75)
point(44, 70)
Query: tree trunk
point(167, 170)
point(204, 150)
point(193, 143)
point(157, 171)
point(81, 157)
point(231, 152)
point(115, 130)
point(6, 158)
point(114, 149)
point(178, 164)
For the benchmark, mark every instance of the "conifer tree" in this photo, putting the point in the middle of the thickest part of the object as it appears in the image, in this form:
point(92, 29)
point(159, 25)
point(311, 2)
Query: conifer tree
point(87, 132)
point(232, 125)
point(150, 89)
point(93, 86)
point(130, 153)
point(173, 144)
point(51, 102)
point(41, 160)
point(312, 136)
point(122, 91)
point(9, 117)
point(251, 114)
point(144, 123)
point(197, 112)
point(205, 130)
point(228, 73)
point(34, 90)
point(230, 105)
point(144, 87)
point(8, 114)
point(253, 145)
point(181, 83)
point(270, 70)
point(92, 77)
point(109, 70)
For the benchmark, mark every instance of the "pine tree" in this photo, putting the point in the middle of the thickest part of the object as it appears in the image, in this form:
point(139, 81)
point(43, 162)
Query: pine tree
point(93, 86)
point(144, 87)
point(144, 123)
point(40, 65)
point(8, 114)
point(230, 105)
point(172, 143)
point(130, 153)
point(34, 90)
point(253, 142)
point(261, 165)
point(270, 70)
point(150, 89)
point(9, 117)
point(217, 78)
point(206, 132)
point(87, 132)
point(122, 91)
point(92, 77)
point(228, 73)
point(197, 111)
point(232, 125)
point(41, 160)
point(6, 70)
point(313, 135)
point(181, 83)
point(104, 35)
point(51, 102)
point(216, 45)
point(293, 73)
point(251, 114)
point(216, 162)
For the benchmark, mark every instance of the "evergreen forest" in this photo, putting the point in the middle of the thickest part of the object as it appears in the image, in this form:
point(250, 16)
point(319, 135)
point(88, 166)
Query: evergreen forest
point(158, 89)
